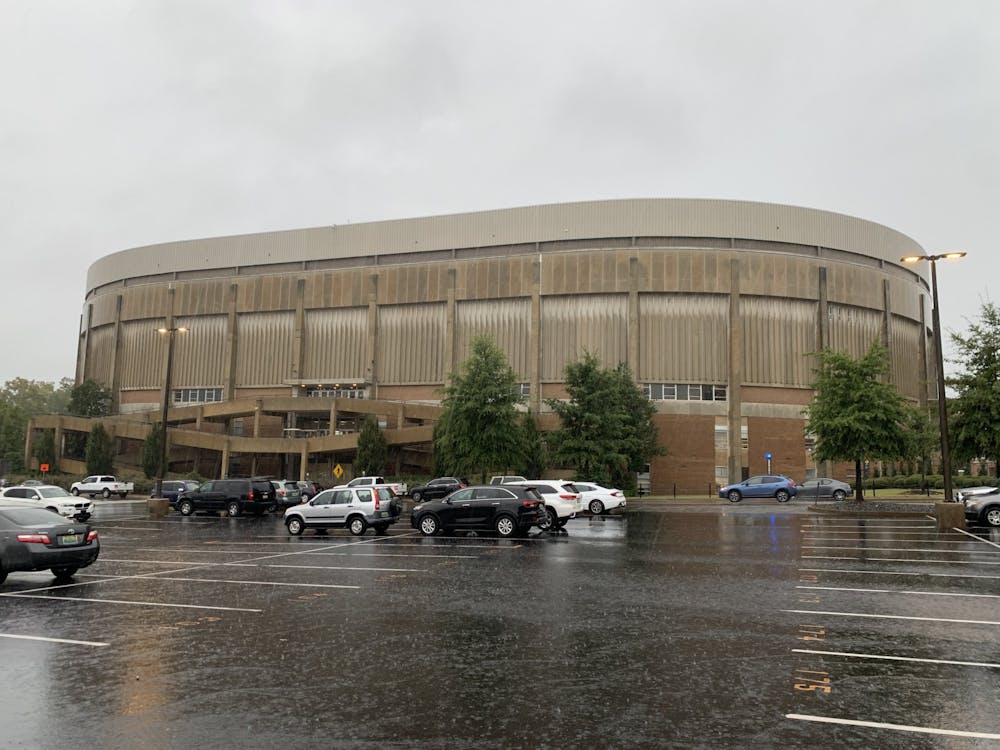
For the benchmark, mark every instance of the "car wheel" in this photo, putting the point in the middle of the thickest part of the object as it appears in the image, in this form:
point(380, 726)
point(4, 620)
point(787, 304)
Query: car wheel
point(506, 526)
point(186, 507)
point(839, 495)
point(123, 495)
point(429, 525)
point(76, 491)
point(381, 528)
point(357, 525)
point(596, 507)
point(734, 496)
point(782, 496)
point(233, 509)
point(106, 494)
point(553, 522)
point(64, 574)
point(991, 516)
point(416, 497)
point(295, 526)
point(272, 507)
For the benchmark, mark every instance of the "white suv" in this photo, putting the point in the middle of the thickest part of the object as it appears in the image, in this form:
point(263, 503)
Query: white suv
point(353, 508)
point(562, 501)
point(54, 498)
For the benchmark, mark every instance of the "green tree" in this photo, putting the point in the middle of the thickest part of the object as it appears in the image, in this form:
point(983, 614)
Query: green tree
point(372, 449)
point(20, 401)
point(974, 423)
point(100, 451)
point(534, 450)
point(149, 459)
point(44, 446)
point(479, 429)
point(855, 414)
point(89, 399)
point(607, 430)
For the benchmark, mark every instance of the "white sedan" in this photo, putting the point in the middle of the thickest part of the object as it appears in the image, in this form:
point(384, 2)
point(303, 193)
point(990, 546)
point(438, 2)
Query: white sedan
point(598, 499)
point(52, 497)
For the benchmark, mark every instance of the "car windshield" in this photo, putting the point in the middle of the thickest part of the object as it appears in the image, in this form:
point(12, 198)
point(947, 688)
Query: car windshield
point(53, 492)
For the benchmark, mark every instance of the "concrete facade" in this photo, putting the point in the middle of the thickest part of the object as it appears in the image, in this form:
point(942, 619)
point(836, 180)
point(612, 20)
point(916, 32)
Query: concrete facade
point(715, 306)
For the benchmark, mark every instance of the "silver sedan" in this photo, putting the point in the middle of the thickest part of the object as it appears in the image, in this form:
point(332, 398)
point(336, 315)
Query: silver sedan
point(824, 489)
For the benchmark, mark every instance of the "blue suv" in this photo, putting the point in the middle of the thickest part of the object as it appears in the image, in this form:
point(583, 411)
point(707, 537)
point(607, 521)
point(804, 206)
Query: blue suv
point(781, 488)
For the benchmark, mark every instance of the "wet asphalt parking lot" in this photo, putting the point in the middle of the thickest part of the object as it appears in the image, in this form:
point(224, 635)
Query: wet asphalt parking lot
point(754, 626)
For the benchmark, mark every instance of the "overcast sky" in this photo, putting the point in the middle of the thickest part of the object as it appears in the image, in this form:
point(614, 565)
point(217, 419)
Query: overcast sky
point(131, 123)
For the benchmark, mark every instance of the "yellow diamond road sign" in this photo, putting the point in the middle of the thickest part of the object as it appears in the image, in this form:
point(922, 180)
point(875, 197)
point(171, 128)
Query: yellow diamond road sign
point(338, 471)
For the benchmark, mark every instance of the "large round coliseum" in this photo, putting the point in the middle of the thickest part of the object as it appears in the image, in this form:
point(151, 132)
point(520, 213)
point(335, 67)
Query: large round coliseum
point(715, 305)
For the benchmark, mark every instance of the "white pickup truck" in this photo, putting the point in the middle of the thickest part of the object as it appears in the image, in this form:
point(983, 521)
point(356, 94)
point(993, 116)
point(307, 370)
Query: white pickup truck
point(398, 488)
point(101, 485)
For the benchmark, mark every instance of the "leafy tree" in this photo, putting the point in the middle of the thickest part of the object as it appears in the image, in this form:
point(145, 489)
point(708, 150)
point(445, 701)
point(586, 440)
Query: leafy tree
point(44, 446)
point(533, 459)
point(372, 449)
point(89, 399)
point(975, 411)
point(924, 439)
point(149, 459)
point(20, 401)
point(100, 451)
point(479, 429)
point(855, 413)
point(607, 430)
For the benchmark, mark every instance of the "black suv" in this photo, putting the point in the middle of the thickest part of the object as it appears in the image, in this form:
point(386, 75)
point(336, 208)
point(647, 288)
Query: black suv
point(231, 496)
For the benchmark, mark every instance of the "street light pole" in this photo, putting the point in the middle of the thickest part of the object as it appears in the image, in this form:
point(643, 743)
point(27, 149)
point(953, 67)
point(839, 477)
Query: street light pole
point(942, 400)
point(169, 333)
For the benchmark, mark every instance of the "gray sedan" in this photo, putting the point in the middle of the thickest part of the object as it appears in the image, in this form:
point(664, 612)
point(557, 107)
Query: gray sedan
point(824, 489)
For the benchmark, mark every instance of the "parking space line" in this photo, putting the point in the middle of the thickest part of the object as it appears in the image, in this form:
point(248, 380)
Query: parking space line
point(894, 573)
point(389, 554)
point(896, 727)
point(890, 617)
point(52, 640)
point(977, 538)
point(254, 583)
point(129, 528)
point(869, 525)
point(902, 549)
point(344, 567)
point(895, 538)
point(900, 559)
point(896, 658)
point(126, 601)
point(894, 591)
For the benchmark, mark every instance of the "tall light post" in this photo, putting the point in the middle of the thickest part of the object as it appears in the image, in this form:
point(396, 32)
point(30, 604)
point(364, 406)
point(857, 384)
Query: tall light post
point(170, 333)
point(942, 401)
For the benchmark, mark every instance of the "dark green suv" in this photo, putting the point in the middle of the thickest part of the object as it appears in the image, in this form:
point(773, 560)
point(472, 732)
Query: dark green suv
point(234, 497)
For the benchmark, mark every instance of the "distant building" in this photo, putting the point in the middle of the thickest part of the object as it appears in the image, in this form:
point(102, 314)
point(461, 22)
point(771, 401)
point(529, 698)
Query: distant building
point(715, 305)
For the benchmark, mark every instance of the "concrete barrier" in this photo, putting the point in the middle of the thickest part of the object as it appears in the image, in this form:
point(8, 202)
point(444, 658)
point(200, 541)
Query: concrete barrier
point(158, 507)
point(949, 516)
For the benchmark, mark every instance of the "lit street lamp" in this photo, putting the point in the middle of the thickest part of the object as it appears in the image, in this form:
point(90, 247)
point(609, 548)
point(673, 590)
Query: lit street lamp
point(942, 401)
point(169, 333)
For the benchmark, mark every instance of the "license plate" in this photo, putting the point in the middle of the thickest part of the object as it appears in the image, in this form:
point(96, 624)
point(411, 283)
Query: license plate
point(70, 539)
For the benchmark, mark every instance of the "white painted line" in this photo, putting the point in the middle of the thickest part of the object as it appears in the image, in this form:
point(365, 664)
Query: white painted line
point(896, 658)
point(868, 525)
point(389, 554)
point(197, 551)
point(341, 567)
point(901, 559)
point(902, 549)
point(893, 591)
point(896, 727)
point(255, 583)
point(125, 601)
point(890, 617)
point(52, 640)
point(977, 538)
point(893, 573)
point(102, 527)
point(889, 538)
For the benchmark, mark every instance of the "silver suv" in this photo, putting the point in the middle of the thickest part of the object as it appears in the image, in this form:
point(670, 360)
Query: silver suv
point(353, 508)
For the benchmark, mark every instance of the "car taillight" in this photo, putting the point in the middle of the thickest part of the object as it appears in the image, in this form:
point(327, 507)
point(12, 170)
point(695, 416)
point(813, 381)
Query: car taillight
point(462, 485)
point(250, 495)
point(616, 493)
point(567, 497)
point(34, 538)
point(378, 501)
point(92, 535)
point(791, 482)
point(529, 503)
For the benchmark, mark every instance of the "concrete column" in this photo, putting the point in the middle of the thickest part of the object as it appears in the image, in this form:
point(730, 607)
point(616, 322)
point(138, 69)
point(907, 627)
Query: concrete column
point(535, 340)
point(232, 344)
point(825, 468)
point(633, 316)
point(450, 332)
point(372, 344)
point(258, 405)
point(887, 320)
point(333, 417)
point(224, 469)
point(300, 318)
point(116, 359)
point(303, 460)
point(735, 395)
point(57, 441)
